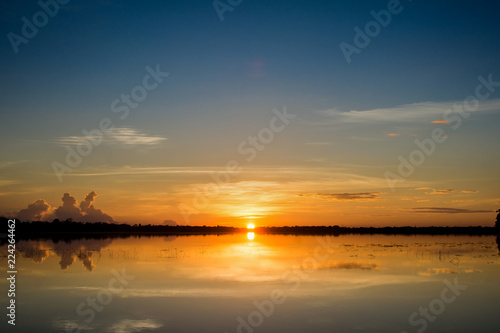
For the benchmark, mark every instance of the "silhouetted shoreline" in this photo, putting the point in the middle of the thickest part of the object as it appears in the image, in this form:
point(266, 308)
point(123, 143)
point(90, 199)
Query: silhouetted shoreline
point(69, 229)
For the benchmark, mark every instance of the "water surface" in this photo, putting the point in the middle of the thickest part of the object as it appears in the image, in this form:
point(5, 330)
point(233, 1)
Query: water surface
point(257, 283)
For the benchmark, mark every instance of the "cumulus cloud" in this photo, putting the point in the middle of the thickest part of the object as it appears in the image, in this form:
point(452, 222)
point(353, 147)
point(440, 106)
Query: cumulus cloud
point(69, 209)
point(86, 212)
point(91, 213)
point(445, 210)
point(359, 196)
point(35, 211)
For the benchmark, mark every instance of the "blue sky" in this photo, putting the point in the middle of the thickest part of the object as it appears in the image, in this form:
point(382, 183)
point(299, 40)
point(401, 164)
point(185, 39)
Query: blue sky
point(226, 78)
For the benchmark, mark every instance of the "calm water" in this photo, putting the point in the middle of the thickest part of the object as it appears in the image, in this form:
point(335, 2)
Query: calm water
point(264, 283)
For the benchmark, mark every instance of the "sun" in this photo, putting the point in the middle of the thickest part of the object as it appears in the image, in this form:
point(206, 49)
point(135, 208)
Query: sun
point(250, 226)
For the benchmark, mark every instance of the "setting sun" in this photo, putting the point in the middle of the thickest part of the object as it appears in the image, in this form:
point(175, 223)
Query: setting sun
point(251, 226)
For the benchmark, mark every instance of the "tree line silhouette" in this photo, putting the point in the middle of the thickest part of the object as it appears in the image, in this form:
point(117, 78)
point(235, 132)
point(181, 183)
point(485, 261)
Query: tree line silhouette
point(72, 229)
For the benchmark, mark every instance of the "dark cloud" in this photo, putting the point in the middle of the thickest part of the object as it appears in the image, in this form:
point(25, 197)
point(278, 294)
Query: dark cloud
point(359, 196)
point(171, 223)
point(34, 212)
point(445, 210)
point(86, 212)
point(69, 209)
point(91, 213)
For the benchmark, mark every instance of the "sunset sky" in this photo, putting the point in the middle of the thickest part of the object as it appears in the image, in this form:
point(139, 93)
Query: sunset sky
point(315, 139)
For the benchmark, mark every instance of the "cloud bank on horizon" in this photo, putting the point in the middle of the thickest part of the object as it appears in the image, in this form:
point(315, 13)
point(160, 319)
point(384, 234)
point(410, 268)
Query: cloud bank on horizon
point(85, 212)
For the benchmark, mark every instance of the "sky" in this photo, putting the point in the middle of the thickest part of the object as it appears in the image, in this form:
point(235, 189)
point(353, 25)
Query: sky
point(352, 113)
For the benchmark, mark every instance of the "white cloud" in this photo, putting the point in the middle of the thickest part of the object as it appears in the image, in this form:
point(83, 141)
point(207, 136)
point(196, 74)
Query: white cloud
point(130, 136)
point(424, 111)
point(117, 135)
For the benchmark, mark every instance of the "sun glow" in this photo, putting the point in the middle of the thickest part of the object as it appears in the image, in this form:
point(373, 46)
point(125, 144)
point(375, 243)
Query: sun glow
point(251, 226)
point(250, 236)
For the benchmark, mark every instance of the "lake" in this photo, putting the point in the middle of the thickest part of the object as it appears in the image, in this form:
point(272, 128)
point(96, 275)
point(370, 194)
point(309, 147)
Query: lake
point(257, 283)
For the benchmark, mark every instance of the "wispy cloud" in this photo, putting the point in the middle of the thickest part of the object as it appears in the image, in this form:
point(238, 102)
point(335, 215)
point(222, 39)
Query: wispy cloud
point(130, 136)
point(448, 191)
point(441, 191)
point(445, 210)
point(119, 135)
point(360, 196)
point(423, 112)
point(350, 265)
point(130, 326)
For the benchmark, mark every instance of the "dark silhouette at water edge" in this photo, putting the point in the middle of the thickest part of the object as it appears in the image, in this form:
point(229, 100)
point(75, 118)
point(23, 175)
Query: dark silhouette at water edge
point(70, 229)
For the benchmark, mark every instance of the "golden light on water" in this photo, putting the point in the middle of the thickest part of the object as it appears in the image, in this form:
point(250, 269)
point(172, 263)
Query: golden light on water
point(250, 235)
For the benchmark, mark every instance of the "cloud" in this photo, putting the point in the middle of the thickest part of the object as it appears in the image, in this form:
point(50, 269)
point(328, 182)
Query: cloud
point(118, 135)
point(171, 223)
point(393, 134)
point(434, 191)
point(445, 210)
point(440, 122)
point(91, 213)
point(130, 136)
point(35, 211)
point(41, 210)
point(131, 326)
point(441, 191)
point(69, 209)
point(360, 196)
point(404, 113)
